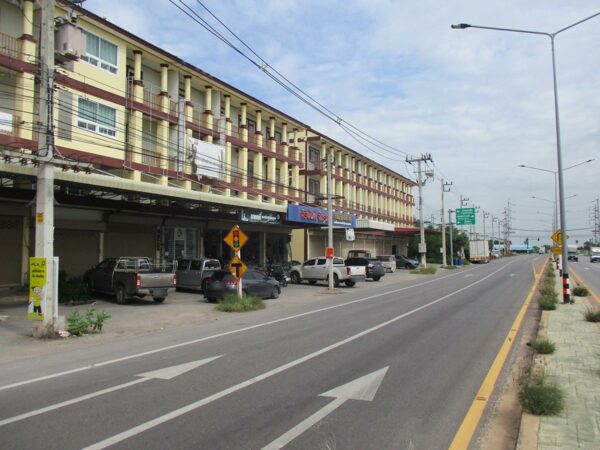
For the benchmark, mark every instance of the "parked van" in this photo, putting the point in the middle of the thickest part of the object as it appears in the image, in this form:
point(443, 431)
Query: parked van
point(388, 262)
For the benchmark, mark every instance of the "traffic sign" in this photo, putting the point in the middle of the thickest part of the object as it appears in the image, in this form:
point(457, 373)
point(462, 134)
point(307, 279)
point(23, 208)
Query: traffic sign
point(236, 238)
point(557, 250)
point(557, 237)
point(237, 267)
point(465, 216)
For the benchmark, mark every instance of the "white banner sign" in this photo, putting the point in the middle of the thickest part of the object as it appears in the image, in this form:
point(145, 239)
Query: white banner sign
point(207, 158)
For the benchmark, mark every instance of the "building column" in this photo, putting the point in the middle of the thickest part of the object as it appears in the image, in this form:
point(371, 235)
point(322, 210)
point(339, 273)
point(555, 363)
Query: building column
point(258, 157)
point(271, 161)
point(228, 159)
point(25, 82)
point(323, 180)
point(284, 166)
point(243, 152)
point(296, 168)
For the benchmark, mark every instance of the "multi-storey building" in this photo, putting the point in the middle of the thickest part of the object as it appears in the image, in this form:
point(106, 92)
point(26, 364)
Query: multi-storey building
point(155, 157)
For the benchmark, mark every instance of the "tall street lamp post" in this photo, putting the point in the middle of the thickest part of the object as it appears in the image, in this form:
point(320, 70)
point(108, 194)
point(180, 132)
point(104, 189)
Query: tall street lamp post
point(563, 222)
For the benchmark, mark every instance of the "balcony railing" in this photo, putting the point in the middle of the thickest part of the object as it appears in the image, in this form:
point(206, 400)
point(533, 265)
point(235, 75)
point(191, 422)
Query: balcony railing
point(10, 46)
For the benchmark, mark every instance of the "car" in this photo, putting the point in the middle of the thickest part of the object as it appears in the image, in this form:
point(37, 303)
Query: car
point(388, 262)
point(373, 267)
point(254, 282)
point(403, 262)
point(193, 273)
point(317, 269)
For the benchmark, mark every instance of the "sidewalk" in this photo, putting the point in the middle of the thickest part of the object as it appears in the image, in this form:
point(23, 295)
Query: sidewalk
point(575, 369)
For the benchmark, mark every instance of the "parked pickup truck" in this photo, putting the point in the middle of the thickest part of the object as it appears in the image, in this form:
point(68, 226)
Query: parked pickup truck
point(193, 273)
point(128, 276)
point(316, 269)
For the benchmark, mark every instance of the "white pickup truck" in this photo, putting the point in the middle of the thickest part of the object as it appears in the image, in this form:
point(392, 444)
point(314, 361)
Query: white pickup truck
point(316, 269)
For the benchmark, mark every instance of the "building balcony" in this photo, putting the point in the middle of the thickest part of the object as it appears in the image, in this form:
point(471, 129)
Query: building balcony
point(10, 46)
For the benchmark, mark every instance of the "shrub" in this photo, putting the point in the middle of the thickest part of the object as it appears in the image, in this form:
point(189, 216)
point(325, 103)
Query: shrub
point(581, 291)
point(232, 303)
point(425, 270)
point(592, 315)
point(547, 302)
point(547, 289)
point(543, 346)
point(93, 321)
point(541, 399)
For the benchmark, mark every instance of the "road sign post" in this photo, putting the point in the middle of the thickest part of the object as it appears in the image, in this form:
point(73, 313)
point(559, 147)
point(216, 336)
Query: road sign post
point(236, 239)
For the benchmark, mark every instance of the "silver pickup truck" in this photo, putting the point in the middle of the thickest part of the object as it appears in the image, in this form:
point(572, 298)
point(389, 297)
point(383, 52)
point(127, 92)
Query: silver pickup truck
point(193, 273)
point(316, 269)
point(129, 276)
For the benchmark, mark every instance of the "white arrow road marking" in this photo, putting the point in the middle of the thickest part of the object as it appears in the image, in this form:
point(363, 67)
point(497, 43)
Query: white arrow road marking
point(263, 376)
point(164, 374)
point(363, 388)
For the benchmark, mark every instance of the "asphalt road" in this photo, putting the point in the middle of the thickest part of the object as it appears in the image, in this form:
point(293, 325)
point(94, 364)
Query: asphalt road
point(588, 272)
point(398, 368)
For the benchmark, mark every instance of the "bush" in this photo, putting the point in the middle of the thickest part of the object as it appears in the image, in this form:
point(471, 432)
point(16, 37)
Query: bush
point(581, 291)
point(592, 315)
point(231, 303)
point(547, 302)
point(93, 321)
point(425, 270)
point(541, 399)
point(72, 290)
point(543, 346)
point(547, 289)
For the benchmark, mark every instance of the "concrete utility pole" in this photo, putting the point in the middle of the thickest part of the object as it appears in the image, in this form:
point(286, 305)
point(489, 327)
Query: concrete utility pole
point(44, 199)
point(329, 157)
point(444, 186)
point(422, 245)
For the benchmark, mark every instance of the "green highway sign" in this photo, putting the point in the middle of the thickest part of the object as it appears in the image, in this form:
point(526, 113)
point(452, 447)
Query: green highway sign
point(465, 216)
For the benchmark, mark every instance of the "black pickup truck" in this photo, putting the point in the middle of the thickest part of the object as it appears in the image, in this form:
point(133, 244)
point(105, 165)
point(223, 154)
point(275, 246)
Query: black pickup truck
point(129, 276)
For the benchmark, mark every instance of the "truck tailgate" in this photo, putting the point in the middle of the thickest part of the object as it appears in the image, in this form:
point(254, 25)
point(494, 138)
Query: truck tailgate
point(156, 280)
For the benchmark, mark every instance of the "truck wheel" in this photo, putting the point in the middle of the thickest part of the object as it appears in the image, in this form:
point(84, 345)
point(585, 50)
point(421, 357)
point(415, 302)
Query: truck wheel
point(121, 295)
point(350, 283)
point(295, 277)
point(275, 292)
point(376, 278)
point(159, 299)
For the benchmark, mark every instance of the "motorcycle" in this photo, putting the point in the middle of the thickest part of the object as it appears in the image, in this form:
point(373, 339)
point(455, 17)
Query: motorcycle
point(279, 273)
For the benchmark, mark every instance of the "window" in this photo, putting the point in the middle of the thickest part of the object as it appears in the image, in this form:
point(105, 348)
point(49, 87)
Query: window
point(314, 187)
point(251, 126)
point(100, 53)
point(96, 118)
point(196, 265)
point(314, 154)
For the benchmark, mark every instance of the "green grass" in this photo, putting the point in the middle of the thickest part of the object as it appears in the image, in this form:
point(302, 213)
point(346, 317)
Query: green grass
point(547, 288)
point(548, 302)
point(592, 315)
point(581, 291)
point(231, 303)
point(451, 267)
point(542, 399)
point(543, 346)
point(424, 270)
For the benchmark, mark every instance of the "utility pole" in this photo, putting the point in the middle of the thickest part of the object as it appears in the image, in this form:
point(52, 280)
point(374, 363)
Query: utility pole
point(450, 211)
point(422, 246)
point(44, 199)
point(444, 186)
point(329, 157)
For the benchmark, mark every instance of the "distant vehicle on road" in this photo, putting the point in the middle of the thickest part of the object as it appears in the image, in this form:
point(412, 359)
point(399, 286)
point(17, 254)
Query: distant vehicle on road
point(403, 262)
point(129, 276)
point(595, 254)
point(192, 273)
point(479, 251)
point(388, 262)
point(572, 253)
point(254, 282)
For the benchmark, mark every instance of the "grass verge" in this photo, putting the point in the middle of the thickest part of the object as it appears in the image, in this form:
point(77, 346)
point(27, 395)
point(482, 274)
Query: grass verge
point(231, 303)
point(540, 398)
point(543, 346)
point(424, 270)
point(548, 302)
point(592, 315)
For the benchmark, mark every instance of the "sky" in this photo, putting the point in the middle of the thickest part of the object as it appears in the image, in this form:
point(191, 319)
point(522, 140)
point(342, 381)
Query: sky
point(479, 101)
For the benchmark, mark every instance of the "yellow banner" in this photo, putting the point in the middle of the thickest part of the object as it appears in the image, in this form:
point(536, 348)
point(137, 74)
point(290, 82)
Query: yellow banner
point(37, 288)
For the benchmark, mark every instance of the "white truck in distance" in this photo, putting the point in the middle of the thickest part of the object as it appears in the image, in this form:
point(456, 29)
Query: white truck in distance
point(316, 269)
point(572, 254)
point(479, 251)
point(595, 254)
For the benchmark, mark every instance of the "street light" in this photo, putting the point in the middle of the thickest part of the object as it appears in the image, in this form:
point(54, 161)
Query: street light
point(555, 183)
point(563, 222)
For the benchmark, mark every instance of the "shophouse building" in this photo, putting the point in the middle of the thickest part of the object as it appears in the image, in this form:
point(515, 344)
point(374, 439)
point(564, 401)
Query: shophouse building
point(154, 157)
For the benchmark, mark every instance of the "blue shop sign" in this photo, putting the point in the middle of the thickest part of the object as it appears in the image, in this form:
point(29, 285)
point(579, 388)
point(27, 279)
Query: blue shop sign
point(318, 216)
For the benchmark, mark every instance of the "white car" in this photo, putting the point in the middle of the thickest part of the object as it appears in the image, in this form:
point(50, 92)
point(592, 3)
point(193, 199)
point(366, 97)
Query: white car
point(388, 262)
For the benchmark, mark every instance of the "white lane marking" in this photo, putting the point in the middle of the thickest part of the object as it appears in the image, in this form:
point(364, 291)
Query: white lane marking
point(363, 388)
point(205, 401)
point(166, 373)
point(469, 275)
point(214, 336)
point(512, 275)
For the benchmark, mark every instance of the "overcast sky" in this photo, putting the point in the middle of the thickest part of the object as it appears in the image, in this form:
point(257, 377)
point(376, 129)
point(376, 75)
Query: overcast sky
point(481, 102)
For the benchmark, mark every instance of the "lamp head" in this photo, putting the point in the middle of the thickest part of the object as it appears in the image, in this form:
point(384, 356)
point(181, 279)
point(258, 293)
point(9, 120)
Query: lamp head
point(460, 26)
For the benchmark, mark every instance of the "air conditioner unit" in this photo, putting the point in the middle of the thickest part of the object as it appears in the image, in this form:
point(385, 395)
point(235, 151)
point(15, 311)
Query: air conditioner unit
point(69, 42)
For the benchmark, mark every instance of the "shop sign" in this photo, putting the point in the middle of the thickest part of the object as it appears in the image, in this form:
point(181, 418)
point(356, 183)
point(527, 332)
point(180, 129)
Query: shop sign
point(256, 216)
point(318, 216)
point(37, 288)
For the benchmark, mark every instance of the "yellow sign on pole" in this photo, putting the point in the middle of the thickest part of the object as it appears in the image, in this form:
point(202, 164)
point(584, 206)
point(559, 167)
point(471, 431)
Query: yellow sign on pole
point(236, 238)
point(557, 250)
point(237, 267)
point(37, 288)
point(557, 237)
